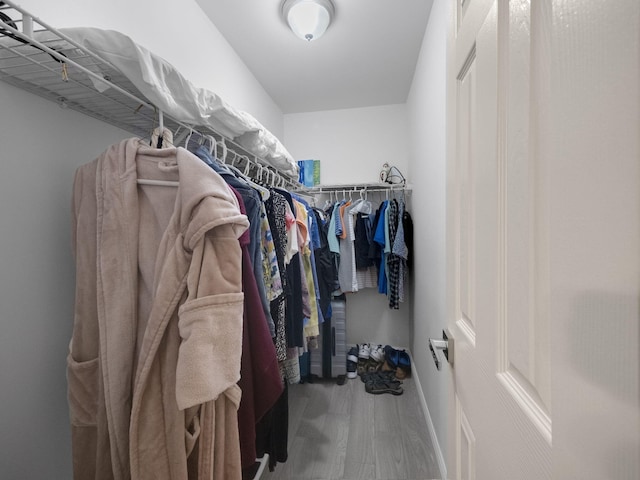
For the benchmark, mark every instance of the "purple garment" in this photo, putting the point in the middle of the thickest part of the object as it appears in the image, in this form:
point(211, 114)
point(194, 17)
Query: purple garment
point(260, 379)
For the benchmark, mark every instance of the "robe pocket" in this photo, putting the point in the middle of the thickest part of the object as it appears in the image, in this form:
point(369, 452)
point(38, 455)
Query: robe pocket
point(210, 349)
point(83, 388)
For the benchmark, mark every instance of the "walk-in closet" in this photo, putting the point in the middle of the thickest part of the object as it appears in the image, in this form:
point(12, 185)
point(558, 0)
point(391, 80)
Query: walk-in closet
point(381, 240)
point(144, 149)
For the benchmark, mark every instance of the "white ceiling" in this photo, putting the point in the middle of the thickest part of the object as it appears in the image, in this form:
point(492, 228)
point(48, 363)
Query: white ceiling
point(367, 56)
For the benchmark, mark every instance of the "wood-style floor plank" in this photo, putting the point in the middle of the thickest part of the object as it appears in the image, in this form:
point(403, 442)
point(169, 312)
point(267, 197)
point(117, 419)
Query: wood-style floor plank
point(343, 433)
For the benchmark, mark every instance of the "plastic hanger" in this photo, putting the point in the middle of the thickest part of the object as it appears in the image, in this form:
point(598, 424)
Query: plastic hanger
point(242, 175)
point(160, 128)
point(224, 149)
point(264, 192)
point(186, 142)
point(160, 133)
point(158, 183)
point(364, 206)
point(213, 146)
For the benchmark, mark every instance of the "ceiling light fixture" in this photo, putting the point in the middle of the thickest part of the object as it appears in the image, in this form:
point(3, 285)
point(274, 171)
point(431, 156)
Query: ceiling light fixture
point(308, 19)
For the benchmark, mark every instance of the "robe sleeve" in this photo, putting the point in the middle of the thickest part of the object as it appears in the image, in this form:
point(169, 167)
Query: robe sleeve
point(210, 320)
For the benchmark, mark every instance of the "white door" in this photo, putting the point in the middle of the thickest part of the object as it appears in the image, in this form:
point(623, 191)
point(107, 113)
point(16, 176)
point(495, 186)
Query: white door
point(543, 212)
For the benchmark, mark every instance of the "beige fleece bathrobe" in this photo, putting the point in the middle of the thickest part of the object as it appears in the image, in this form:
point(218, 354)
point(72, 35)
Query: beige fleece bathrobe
point(155, 352)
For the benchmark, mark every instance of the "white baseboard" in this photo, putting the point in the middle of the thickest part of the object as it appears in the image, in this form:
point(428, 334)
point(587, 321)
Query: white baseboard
point(442, 465)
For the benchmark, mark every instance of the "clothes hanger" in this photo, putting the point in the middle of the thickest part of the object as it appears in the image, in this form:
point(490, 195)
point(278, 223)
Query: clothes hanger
point(367, 206)
point(158, 137)
point(244, 175)
point(357, 202)
point(161, 135)
point(213, 146)
point(160, 128)
point(234, 170)
point(186, 142)
point(224, 149)
point(158, 183)
point(264, 192)
point(329, 201)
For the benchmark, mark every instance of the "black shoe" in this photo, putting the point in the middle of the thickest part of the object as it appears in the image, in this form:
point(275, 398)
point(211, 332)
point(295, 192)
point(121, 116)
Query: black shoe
point(352, 362)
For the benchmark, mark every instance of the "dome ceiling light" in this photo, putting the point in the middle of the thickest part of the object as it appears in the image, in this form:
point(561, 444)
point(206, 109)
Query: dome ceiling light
point(308, 19)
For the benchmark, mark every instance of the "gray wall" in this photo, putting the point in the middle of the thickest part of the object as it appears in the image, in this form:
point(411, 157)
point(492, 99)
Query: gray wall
point(426, 108)
point(41, 145)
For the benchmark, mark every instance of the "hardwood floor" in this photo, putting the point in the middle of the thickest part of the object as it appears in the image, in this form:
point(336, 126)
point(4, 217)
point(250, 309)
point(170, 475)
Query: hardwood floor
point(343, 433)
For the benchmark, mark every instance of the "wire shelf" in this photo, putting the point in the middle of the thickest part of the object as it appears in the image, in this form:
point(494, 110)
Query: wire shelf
point(42, 60)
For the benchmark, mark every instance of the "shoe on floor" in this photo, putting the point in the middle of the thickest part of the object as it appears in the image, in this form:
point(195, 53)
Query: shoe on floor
point(352, 362)
point(352, 354)
point(404, 364)
point(377, 384)
point(372, 365)
point(365, 351)
point(391, 356)
point(377, 353)
point(379, 375)
point(362, 366)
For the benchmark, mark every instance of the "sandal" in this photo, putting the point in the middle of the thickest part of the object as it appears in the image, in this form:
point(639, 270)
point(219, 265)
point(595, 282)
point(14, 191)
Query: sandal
point(377, 387)
point(380, 375)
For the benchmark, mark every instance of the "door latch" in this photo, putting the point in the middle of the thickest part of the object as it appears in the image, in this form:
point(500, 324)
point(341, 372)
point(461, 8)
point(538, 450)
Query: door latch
point(440, 348)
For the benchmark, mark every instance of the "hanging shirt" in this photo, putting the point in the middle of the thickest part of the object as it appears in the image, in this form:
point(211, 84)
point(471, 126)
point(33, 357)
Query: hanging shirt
point(260, 379)
point(315, 244)
point(380, 237)
point(324, 266)
point(332, 237)
point(271, 270)
point(363, 240)
point(338, 219)
point(393, 260)
point(276, 212)
point(292, 234)
point(375, 252)
point(347, 269)
point(293, 307)
point(311, 327)
point(343, 219)
point(401, 251)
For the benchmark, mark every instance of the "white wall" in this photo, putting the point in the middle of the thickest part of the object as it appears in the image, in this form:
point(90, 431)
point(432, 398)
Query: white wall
point(426, 107)
point(352, 145)
point(180, 33)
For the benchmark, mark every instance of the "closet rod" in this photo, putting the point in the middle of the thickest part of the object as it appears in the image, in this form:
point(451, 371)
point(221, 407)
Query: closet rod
point(357, 188)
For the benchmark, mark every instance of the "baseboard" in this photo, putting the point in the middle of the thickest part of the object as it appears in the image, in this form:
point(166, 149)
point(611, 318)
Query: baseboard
point(442, 465)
